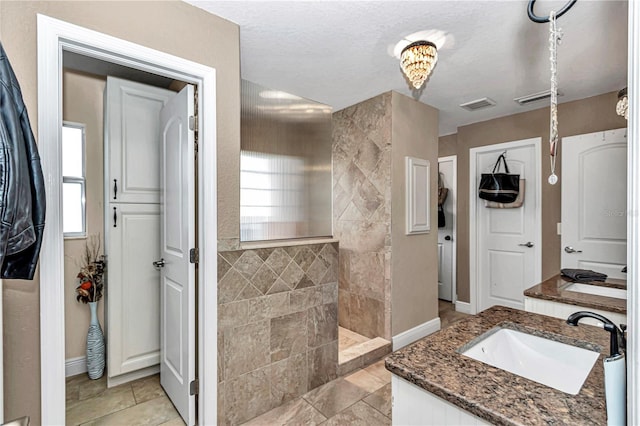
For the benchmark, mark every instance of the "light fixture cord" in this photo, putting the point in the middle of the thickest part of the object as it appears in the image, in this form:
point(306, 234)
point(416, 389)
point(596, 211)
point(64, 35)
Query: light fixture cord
point(554, 38)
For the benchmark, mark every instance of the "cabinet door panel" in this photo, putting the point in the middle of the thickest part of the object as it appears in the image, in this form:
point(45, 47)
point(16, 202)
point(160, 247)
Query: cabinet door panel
point(133, 288)
point(132, 140)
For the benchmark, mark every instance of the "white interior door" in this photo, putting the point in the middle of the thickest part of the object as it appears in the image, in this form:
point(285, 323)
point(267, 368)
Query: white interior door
point(446, 244)
point(594, 202)
point(508, 240)
point(177, 237)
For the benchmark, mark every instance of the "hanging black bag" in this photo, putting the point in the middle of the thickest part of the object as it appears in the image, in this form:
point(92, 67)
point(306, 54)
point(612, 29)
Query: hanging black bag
point(499, 187)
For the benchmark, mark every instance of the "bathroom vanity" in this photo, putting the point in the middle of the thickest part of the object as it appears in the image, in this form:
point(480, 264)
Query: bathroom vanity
point(559, 297)
point(434, 383)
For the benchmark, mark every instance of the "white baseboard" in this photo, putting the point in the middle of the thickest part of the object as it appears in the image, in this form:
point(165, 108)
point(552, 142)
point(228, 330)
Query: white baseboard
point(134, 375)
point(416, 333)
point(75, 366)
point(463, 307)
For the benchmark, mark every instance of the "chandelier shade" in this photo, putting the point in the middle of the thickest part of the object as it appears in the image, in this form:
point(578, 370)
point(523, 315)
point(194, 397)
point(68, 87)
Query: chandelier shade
point(417, 60)
point(622, 107)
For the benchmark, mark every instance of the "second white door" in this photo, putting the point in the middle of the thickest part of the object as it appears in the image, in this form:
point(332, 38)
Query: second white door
point(508, 253)
point(594, 202)
point(446, 234)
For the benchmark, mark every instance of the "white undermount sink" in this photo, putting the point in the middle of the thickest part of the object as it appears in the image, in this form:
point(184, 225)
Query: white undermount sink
point(551, 363)
point(618, 293)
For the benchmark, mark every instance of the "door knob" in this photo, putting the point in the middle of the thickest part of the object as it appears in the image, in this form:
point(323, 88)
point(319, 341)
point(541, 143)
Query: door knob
point(527, 244)
point(448, 238)
point(158, 264)
point(569, 249)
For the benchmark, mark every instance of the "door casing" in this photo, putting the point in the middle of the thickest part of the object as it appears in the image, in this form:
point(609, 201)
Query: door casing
point(474, 227)
point(54, 36)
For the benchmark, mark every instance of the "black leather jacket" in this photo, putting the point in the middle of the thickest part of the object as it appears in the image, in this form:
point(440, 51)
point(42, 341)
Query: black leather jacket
point(22, 196)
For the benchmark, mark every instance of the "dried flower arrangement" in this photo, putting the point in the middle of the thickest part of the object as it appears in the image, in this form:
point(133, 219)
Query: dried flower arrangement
point(90, 277)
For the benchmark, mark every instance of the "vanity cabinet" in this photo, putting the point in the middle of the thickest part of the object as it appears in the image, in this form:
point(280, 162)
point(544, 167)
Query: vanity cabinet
point(413, 405)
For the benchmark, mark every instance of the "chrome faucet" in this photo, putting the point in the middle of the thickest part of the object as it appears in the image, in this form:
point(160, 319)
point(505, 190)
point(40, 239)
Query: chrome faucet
point(618, 341)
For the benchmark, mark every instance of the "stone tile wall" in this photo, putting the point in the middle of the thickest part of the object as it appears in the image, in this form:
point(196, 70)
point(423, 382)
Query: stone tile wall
point(362, 215)
point(277, 326)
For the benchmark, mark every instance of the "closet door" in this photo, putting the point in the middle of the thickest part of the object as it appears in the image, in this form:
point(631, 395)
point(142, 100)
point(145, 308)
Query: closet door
point(133, 288)
point(132, 135)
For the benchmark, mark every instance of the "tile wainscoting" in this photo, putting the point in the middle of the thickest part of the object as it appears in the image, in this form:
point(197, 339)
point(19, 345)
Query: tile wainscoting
point(277, 326)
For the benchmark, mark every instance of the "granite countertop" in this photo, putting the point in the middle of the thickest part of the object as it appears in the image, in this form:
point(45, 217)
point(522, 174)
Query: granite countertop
point(495, 395)
point(554, 289)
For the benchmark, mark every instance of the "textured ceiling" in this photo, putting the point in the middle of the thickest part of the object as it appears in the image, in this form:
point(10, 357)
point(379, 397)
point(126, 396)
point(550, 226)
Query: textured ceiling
point(338, 52)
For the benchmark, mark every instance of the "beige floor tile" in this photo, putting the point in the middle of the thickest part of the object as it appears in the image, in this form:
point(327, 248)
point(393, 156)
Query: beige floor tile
point(295, 412)
point(365, 380)
point(147, 388)
point(381, 400)
point(153, 412)
point(174, 422)
point(91, 388)
point(348, 338)
point(109, 401)
point(380, 371)
point(334, 396)
point(359, 414)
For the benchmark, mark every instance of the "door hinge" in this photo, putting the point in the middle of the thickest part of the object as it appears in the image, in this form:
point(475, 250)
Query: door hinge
point(193, 124)
point(194, 386)
point(194, 255)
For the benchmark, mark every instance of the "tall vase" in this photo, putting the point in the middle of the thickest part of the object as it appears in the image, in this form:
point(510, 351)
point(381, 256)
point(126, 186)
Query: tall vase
point(95, 345)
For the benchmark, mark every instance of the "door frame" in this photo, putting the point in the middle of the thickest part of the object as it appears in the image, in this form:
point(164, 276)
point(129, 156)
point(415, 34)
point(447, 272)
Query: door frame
point(474, 227)
point(633, 218)
point(453, 193)
point(53, 37)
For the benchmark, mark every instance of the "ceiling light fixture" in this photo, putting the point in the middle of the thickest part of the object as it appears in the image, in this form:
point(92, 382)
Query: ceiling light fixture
point(622, 107)
point(417, 60)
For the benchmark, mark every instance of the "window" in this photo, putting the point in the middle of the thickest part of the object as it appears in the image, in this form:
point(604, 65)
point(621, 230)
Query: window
point(74, 222)
point(272, 199)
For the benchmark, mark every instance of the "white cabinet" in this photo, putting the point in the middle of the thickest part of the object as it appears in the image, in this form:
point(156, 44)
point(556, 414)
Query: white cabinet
point(132, 141)
point(132, 227)
point(133, 291)
point(563, 310)
point(413, 405)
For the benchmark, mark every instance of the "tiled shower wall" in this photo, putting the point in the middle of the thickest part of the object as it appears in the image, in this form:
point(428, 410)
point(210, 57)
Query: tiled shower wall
point(277, 326)
point(362, 215)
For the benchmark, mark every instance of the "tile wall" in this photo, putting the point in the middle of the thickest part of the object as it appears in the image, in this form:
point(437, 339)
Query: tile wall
point(362, 214)
point(277, 326)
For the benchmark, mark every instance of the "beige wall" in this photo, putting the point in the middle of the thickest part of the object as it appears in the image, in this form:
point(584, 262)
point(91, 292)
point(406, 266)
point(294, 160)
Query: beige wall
point(82, 103)
point(414, 260)
point(583, 116)
point(169, 26)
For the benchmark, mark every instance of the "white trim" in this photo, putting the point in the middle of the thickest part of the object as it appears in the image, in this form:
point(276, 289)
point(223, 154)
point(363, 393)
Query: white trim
point(633, 207)
point(54, 36)
point(473, 229)
point(463, 307)
point(453, 192)
point(416, 333)
point(134, 375)
point(75, 366)
point(417, 196)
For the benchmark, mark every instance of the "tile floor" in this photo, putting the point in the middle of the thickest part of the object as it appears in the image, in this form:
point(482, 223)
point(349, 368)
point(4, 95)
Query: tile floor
point(143, 401)
point(359, 398)
point(448, 314)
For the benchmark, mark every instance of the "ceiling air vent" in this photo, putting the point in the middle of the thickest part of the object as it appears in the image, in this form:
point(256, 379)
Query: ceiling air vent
point(478, 104)
point(527, 99)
